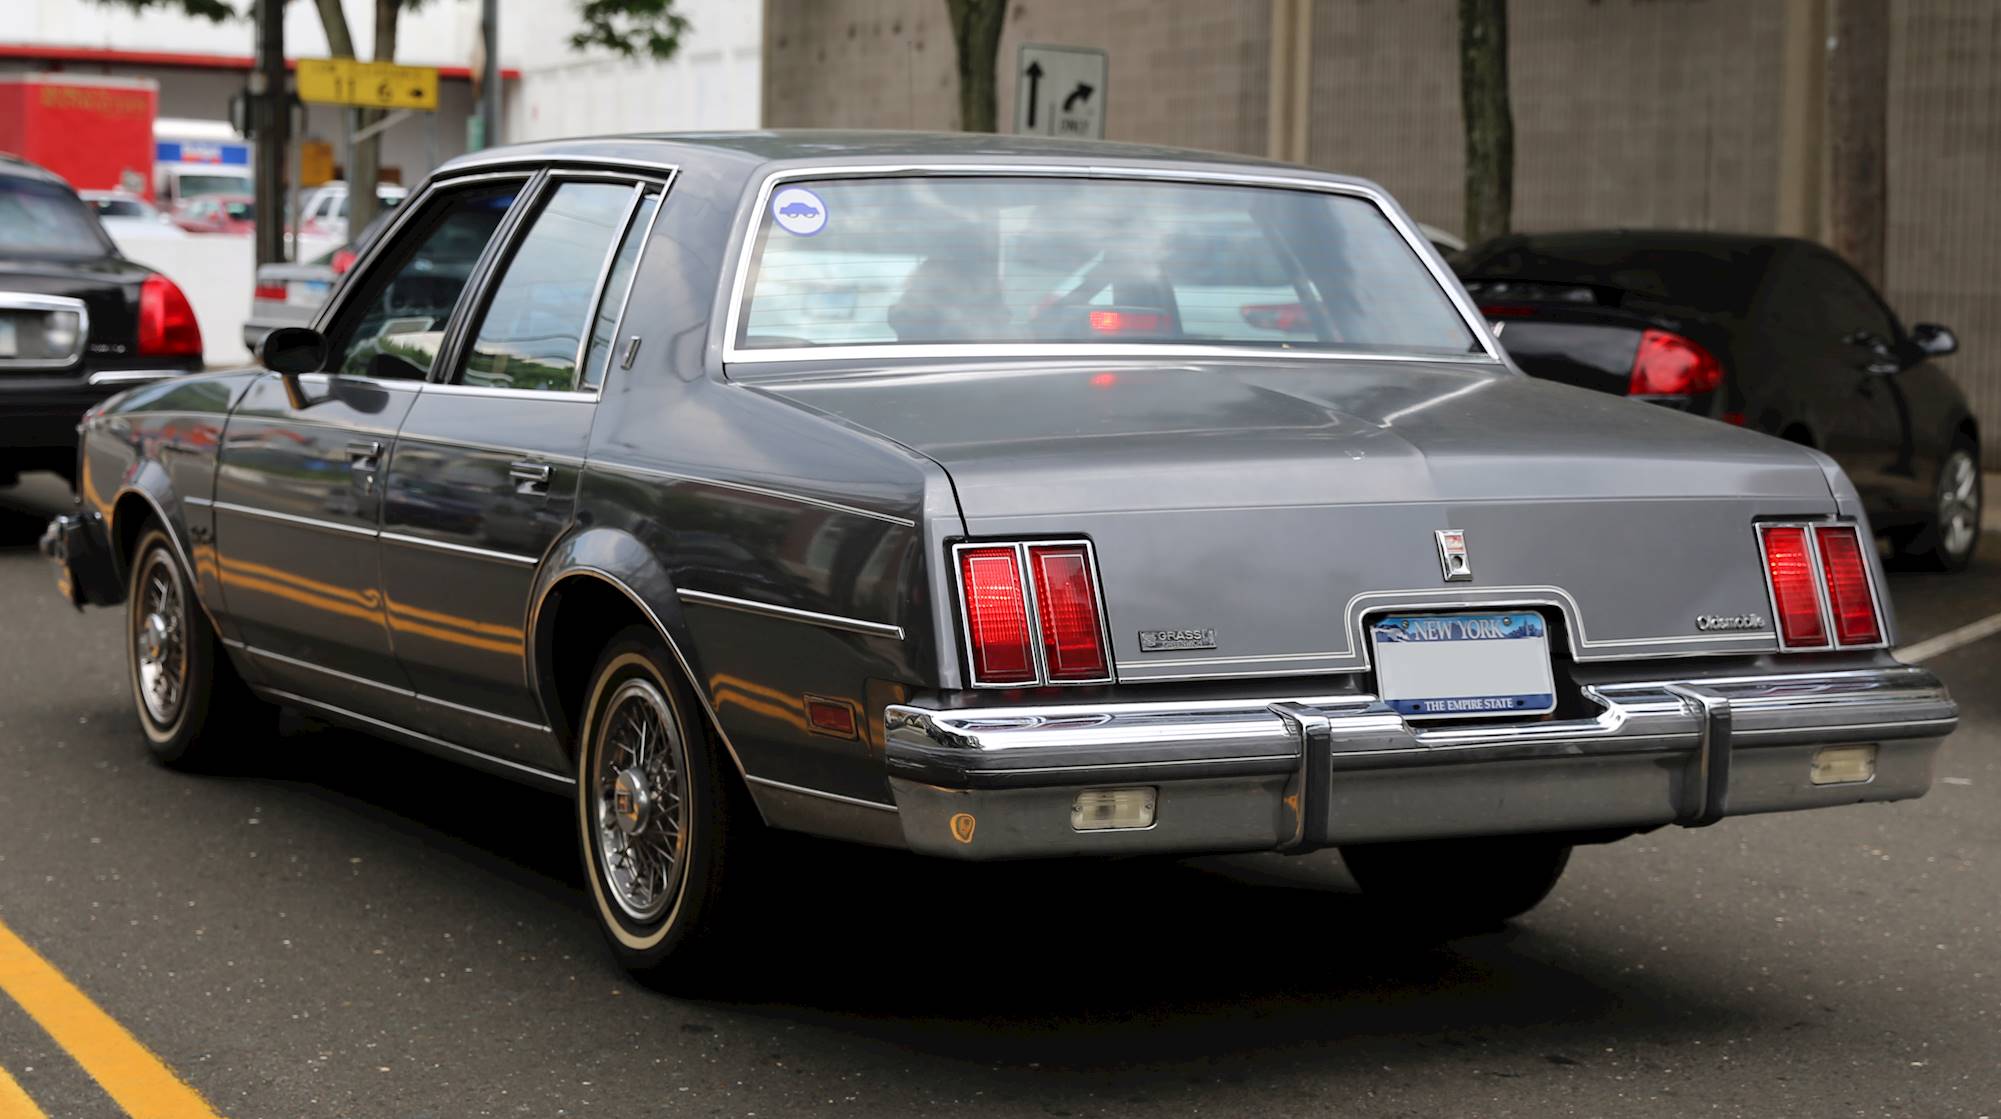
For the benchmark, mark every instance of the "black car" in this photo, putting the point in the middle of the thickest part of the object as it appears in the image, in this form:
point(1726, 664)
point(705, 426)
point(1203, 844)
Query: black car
point(1771, 333)
point(78, 322)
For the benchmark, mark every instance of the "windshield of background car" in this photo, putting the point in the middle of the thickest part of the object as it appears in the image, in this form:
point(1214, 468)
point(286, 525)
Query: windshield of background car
point(196, 185)
point(45, 219)
point(965, 260)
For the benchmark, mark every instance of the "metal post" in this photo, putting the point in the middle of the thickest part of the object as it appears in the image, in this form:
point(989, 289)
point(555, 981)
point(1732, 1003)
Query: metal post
point(271, 121)
point(489, 87)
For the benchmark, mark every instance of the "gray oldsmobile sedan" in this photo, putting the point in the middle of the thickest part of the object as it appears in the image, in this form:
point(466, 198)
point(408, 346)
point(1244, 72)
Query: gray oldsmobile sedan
point(994, 499)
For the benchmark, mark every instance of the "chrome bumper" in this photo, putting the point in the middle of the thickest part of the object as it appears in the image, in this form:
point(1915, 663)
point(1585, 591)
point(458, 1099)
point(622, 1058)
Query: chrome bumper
point(79, 549)
point(1286, 774)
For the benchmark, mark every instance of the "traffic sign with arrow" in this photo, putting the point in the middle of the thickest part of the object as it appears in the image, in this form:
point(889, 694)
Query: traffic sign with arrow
point(1060, 91)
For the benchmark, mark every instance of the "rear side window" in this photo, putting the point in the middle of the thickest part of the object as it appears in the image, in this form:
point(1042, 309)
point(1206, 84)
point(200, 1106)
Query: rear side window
point(963, 260)
point(45, 219)
point(533, 331)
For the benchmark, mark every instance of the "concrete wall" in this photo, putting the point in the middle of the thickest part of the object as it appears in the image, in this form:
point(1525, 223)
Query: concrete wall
point(1681, 113)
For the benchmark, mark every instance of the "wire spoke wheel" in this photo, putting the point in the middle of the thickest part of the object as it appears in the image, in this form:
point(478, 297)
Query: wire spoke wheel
point(160, 639)
point(639, 803)
point(1958, 504)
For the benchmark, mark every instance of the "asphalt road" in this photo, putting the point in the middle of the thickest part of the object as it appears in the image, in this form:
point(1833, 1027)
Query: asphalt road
point(347, 929)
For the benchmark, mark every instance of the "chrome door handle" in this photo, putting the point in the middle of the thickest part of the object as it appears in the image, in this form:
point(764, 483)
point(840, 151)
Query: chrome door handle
point(364, 456)
point(530, 477)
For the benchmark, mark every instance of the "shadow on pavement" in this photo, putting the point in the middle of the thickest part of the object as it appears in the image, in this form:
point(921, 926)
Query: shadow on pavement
point(25, 509)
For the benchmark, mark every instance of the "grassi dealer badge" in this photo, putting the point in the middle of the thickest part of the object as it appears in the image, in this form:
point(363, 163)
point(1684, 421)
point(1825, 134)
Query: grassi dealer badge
point(798, 211)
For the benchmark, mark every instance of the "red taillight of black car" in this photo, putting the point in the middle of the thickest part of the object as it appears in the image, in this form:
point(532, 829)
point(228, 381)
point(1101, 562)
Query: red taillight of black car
point(1033, 614)
point(1667, 364)
point(1817, 575)
point(167, 326)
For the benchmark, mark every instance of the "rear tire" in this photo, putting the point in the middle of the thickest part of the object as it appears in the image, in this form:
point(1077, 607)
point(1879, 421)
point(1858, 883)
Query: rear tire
point(195, 711)
point(1452, 887)
point(663, 827)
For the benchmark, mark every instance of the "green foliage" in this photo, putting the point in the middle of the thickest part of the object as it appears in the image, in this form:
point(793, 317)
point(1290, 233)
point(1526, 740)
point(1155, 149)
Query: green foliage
point(214, 11)
point(633, 28)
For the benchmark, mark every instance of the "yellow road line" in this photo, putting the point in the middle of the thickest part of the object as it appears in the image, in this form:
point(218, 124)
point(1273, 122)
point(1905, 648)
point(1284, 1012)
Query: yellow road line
point(127, 1071)
point(14, 1102)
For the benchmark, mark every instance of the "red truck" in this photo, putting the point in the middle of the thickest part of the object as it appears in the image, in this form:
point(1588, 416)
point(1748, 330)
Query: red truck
point(95, 131)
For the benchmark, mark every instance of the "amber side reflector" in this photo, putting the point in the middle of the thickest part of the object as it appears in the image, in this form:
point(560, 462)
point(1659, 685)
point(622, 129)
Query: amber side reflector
point(1066, 603)
point(830, 716)
point(1848, 590)
point(1795, 590)
point(996, 616)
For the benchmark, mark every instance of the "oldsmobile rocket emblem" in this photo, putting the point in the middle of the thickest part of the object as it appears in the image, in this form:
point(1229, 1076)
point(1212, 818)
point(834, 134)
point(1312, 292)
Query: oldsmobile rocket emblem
point(1452, 561)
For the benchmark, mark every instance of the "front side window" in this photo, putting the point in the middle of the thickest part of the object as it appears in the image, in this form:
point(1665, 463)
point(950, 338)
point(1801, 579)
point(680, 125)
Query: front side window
point(396, 322)
point(985, 261)
point(535, 323)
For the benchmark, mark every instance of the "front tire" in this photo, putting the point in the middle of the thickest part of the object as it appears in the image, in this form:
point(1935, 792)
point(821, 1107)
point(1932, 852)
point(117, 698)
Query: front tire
point(1453, 887)
point(194, 709)
point(660, 823)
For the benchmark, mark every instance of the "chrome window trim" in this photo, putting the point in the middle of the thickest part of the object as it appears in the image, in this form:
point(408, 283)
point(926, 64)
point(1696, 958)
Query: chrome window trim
point(134, 376)
point(1032, 603)
point(292, 519)
point(732, 319)
point(560, 396)
point(648, 472)
point(36, 301)
point(625, 298)
point(459, 549)
point(611, 248)
point(472, 166)
point(792, 614)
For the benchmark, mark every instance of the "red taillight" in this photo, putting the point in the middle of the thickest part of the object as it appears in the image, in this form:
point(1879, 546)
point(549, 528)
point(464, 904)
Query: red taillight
point(1670, 365)
point(1066, 603)
point(270, 293)
point(343, 259)
point(1128, 322)
point(1507, 311)
point(996, 616)
point(1795, 590)
point(1848, 590)
point(167, 326)
point(1291, 318)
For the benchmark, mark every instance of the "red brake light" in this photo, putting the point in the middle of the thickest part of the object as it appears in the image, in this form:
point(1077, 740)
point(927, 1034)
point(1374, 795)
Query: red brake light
point(273, 293)
point(167, 325)
point(996, 616)
point(1290, 318)
point(343, 259)
point(1066, 603)
point(1848, 590)
point(1128, 322)
point(1507, 311)
point(1670, 365)
point(1795, 590)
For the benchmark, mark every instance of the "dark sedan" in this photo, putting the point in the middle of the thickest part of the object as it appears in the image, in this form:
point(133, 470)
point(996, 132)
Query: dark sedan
point(77, 321)
point(1771, 333)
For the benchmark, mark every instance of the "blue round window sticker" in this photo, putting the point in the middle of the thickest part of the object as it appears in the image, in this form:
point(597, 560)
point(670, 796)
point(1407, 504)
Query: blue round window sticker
point(798, 211)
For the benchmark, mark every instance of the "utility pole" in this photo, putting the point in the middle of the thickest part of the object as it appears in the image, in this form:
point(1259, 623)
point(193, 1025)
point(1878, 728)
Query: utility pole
point(270, 114)
point(489, 86)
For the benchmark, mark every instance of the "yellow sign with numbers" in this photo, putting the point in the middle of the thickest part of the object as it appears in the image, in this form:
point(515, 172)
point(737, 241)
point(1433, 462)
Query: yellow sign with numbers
point(374, 85)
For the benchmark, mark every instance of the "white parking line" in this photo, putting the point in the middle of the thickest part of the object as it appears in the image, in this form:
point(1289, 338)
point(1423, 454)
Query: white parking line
point(1951, 639)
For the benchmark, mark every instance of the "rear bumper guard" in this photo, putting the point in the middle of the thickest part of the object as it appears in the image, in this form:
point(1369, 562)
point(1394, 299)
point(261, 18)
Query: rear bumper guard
point(1300, 774)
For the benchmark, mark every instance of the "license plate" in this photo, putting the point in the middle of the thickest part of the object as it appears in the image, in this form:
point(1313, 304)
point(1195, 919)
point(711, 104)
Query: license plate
point(8, 347)
point(1459, 665)
point(306, 293)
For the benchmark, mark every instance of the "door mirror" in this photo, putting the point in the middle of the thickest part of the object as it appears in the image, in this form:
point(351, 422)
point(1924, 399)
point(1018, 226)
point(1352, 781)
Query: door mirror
point(289, 351)
point(1933, 340)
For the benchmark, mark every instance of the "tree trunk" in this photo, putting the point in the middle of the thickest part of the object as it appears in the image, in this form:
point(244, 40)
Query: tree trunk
point(361, 204)
point(976, 32)
point(1490, 123)
point(1858, 81)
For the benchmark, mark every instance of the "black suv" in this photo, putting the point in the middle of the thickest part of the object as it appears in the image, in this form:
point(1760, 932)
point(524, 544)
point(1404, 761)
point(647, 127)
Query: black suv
point(78, 321)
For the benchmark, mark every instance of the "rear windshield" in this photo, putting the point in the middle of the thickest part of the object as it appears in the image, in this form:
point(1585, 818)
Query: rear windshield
point(1718, 278)
point(936, 260)
point(45, 219)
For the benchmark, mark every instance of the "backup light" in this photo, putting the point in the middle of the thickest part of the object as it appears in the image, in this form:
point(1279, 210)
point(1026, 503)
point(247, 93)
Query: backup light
point(1844, 765)
point(1849, 594)
point(1789, 572)
point(1113, 809)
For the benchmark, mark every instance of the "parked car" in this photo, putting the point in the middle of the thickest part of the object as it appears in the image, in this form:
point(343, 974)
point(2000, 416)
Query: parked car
point(217, 213)
point(291, 293)
point(1772, 333)
point(124, 214)
point(323, 211)
point(568, 483)
point(78, 322)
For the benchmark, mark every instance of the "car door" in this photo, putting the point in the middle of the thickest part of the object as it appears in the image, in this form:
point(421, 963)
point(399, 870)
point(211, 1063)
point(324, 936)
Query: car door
point(484, 475)
point(298, 497)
